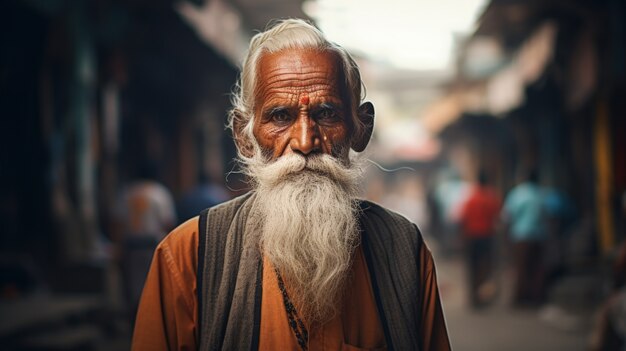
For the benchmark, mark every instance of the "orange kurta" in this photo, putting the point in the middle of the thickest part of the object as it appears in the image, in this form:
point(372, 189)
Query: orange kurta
point(167, 315)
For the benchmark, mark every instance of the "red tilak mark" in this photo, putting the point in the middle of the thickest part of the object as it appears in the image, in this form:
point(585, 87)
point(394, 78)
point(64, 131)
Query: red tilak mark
point(304, 100)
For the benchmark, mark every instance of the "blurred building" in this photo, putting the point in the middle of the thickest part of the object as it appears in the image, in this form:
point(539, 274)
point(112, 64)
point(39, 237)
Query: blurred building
point(88, 91)
point(540, 84)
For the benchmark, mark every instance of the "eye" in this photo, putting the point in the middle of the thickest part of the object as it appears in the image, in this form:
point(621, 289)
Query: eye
point(327, 115)
point(280, 116)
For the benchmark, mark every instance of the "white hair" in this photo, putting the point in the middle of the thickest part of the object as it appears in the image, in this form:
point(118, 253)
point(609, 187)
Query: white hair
point(282, 35)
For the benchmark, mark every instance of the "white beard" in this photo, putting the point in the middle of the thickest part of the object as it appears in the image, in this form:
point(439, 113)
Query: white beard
point(309, 217)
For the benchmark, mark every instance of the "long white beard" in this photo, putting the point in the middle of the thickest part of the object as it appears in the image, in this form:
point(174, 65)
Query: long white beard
point(309, 214)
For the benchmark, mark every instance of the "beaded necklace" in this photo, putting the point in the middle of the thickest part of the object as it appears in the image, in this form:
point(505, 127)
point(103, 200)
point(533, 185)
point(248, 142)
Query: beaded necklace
point(296, 324)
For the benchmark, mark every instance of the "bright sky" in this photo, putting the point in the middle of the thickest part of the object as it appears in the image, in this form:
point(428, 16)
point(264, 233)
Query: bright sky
point(413, 34)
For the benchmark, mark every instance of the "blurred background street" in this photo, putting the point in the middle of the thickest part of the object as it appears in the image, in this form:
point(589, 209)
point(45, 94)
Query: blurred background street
point(558, 325)
point(500, 130)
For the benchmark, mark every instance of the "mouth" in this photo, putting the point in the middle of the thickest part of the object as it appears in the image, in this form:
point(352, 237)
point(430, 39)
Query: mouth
point(316, 172)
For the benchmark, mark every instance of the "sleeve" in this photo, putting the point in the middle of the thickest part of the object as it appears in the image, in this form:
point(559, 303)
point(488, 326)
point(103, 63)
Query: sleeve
point(166, 317)
point(433, 334)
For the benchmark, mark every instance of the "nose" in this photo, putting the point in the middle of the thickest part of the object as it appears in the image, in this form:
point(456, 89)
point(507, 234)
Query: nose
point(305, 136)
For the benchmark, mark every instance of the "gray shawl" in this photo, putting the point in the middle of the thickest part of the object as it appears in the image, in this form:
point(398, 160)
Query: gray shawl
point(230, 270)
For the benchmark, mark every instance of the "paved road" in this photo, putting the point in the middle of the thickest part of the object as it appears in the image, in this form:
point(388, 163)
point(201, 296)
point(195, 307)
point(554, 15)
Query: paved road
point(499, 327)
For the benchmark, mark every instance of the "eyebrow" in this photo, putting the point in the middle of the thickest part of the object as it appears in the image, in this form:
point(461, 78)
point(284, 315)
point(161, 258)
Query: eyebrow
point(316, 108)
point(275, 109)
point(327, 106)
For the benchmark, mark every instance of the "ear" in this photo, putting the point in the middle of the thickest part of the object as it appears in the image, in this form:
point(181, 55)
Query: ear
point(365, 114)
point(241, 140)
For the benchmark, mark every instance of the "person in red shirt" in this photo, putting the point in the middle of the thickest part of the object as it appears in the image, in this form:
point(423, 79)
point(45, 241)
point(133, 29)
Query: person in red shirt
point(478, 217)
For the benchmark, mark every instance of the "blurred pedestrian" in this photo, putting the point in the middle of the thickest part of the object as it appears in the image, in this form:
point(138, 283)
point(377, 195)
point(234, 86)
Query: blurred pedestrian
point(450, 192)
point(146, 207)
point(559, 214)
point(523, 212)
point(204, 195)
point(146, 213)
point(478, 217)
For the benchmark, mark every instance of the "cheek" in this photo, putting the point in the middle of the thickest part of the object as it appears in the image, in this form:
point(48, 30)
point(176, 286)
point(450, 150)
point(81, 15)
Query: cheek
point(261, 135)
point(337, 138)
point(269, 139)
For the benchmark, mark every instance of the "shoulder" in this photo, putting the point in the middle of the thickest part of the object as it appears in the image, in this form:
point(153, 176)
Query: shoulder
point(376, 212)
point(229, 207)
point(399, 238)
point(183, 240)
point(180, 247)
point(388, 226)
point(514, 195)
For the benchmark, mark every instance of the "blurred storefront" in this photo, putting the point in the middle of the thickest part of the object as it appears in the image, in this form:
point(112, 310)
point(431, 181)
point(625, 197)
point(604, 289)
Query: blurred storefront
point(540, 85)
point(90, 91)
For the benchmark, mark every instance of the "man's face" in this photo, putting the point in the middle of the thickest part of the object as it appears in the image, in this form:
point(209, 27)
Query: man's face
point(301, 105)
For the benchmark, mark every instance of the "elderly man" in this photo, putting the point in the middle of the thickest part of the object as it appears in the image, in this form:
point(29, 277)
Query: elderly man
point(299, 262)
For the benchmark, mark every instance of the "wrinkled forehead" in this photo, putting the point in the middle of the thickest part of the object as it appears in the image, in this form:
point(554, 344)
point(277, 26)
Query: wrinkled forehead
point(301, 68)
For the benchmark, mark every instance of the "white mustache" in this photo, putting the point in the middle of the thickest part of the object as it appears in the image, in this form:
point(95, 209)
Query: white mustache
point(273, 173)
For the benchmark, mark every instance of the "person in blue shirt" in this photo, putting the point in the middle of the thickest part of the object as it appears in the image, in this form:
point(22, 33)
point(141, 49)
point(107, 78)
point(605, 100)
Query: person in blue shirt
point(523, 211)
